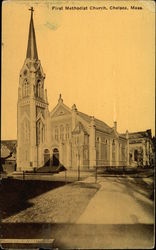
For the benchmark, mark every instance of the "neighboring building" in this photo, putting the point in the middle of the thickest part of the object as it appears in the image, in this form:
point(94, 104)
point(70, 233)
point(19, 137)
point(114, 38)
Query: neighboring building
point(7, 159)
point(63, 136)
point(141, 151)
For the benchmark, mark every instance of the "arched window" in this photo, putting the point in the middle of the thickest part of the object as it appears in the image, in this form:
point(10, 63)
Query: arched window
point(39, 89)
point(86, 139)
point(61, 132)
point(25, 91)
point(67, 131)
point(38, 132)
point(42, 132)
point(56, 133)
point(113, 151)
point(86, 154)
point(104, 152)
point(135, 154)
point(123, 155)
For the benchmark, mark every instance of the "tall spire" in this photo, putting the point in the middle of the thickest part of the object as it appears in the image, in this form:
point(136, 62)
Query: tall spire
point(32, 48)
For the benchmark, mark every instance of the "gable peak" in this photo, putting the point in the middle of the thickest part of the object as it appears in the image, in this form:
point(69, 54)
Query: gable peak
point(60, 100)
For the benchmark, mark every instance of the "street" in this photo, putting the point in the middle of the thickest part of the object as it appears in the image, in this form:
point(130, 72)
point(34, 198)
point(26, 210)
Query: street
point(117, 212)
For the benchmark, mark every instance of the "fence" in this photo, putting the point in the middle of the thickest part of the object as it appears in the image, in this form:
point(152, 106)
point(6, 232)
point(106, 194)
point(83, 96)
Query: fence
point(122, 171)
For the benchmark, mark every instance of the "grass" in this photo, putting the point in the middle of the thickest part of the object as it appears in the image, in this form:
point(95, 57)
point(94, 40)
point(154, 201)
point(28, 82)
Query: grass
point(42, 201)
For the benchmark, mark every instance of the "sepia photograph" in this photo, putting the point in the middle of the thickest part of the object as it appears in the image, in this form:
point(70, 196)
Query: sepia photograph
point(77, 158)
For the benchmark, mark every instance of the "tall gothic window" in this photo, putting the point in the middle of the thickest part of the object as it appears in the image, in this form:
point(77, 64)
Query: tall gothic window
point(86, 139)
point(123, 153)
point(113, 151)
point(104, 151)
point(67, 131)
point(135, 154)
point(86, 154)
point(120, 154)
point(56, 133)
point(61, 132)
point(25, 90)
point(39, 89)
point(40, 135)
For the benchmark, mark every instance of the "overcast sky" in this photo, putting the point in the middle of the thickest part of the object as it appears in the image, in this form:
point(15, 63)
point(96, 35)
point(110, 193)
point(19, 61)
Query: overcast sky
point(103, 61)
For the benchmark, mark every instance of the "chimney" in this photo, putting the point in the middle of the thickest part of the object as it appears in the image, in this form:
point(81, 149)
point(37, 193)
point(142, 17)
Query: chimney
point(115, 125)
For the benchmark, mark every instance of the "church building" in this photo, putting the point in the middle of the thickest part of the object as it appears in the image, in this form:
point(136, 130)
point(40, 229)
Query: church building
point(63, 136)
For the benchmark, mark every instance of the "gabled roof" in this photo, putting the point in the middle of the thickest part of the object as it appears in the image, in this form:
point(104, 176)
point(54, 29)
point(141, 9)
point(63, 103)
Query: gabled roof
point(98, 123)
point(139, 134)
point(60, 105)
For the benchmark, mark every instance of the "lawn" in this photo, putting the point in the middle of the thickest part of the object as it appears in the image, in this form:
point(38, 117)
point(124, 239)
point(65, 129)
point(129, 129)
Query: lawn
point(44, 201)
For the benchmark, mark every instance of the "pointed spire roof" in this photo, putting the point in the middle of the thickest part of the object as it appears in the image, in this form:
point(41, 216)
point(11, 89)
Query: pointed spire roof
point(32, 48)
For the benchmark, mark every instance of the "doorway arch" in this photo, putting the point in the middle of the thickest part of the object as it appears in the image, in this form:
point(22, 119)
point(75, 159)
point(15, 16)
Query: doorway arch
point(55, 157)
point(46, 157)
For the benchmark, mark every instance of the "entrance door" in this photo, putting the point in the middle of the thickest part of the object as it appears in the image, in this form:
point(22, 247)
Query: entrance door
point(46, 157)
point(55, 157)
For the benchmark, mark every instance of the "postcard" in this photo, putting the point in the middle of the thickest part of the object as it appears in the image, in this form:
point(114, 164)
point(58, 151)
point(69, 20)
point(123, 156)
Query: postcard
point(77, 124)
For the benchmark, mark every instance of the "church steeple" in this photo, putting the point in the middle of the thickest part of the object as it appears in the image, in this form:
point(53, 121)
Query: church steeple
point(32, 108)
point(32, 48)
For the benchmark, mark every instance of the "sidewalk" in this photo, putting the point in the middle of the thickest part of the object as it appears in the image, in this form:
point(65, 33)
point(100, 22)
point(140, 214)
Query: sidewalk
point(118, 203)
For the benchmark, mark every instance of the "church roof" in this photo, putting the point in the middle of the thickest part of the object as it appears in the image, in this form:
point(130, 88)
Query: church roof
point(139, 134)
point(98, 123)
point(32, 47)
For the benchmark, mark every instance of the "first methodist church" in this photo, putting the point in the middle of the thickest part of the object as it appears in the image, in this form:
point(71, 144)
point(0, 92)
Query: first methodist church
point(64, 135)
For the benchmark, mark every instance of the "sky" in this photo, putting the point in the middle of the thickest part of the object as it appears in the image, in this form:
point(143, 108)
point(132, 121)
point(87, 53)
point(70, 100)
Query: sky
point(103, 61)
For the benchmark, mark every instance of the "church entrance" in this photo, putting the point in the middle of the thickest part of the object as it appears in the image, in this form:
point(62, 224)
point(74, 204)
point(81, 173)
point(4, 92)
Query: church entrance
point(55, 157)
point(46, 157)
